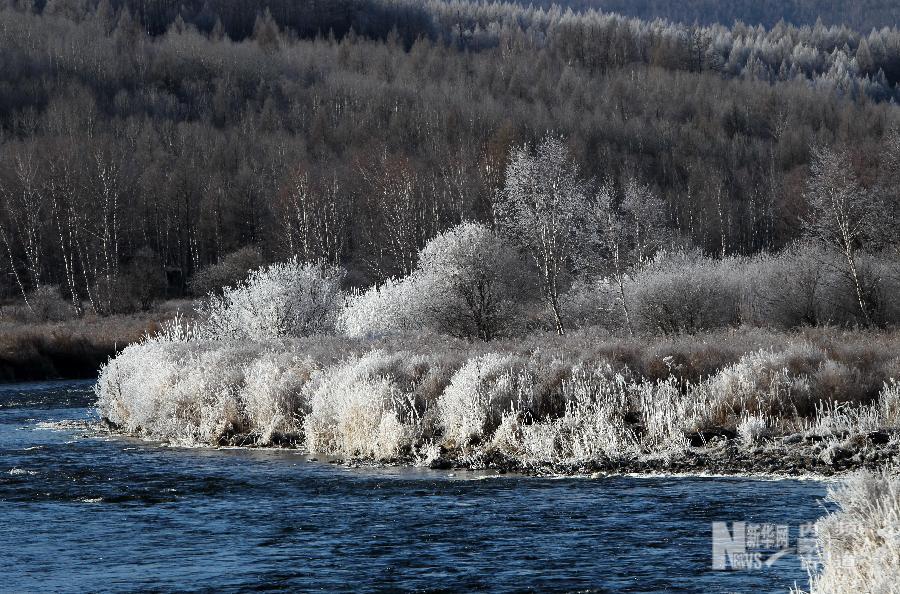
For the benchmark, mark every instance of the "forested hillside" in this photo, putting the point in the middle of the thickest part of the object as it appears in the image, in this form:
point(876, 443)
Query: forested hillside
point(863, 15)
point(142, 143)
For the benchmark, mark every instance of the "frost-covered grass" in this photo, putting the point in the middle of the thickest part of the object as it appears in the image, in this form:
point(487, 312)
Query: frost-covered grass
point(541, 401)
point(859, 544)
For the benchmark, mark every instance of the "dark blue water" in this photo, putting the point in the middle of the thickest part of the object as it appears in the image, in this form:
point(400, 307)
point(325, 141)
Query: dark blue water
point(80, 512)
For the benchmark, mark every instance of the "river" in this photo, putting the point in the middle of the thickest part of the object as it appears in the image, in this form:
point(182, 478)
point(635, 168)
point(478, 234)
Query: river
point(80, 511)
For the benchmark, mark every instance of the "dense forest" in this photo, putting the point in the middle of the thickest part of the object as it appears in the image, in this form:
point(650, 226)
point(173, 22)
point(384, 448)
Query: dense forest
point(142, 142)
point(863, 15)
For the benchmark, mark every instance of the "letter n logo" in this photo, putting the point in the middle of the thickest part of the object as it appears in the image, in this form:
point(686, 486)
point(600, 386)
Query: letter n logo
point(726, 543)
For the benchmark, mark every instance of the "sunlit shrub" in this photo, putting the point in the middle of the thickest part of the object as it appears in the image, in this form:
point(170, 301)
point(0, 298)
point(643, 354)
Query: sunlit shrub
point(367, 407)
point(472, 406)
point(468, 283)
point(286, 299)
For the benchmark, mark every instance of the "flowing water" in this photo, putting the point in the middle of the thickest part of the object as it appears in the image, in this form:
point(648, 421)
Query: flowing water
point(82, 512)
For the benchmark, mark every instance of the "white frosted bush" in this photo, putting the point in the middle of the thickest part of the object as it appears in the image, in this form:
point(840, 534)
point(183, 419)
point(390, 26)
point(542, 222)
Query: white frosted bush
point(687, 292)
point(202, 391)
point(839, 419)
point(362, 409)
point(355, 419)
point(389, 308)
point(478, 395)
point(889, 404)
point(466, 284)
point(752, 428)
point(593, 426)
point(469, 278)
point(792, 288)
point(132, 387)
point(272, 395)
point(281, 300)
point(761, 383)
point(667, 414)
point(859, 544)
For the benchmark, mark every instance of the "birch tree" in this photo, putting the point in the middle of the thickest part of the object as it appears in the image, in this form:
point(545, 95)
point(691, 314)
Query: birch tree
point(842, 213)
point(539, 210)
point(622, 231)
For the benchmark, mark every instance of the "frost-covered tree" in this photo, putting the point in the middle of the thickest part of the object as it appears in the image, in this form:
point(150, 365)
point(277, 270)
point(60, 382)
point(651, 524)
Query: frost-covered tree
point(287, 299)
point(842, 212)
point(623, 231)
point(471, 279)
point(539, 210)
point(468, 283)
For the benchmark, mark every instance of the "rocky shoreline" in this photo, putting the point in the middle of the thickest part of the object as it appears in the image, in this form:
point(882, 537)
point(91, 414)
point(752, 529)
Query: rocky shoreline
point(720, 453)
point(793, 455)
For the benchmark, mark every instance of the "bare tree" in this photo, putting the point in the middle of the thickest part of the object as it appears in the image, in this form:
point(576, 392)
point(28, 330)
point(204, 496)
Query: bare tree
point(313, 218)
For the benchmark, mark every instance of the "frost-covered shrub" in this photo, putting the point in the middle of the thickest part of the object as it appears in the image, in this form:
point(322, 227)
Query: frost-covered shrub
point(466, 284)
point(390, 308)
point(859, 544)
point(838, 420)
point(367, 407)
point(203, 392)
point(667, 414)
point(752, 428)
point(605, 416)
point(591, 427)
point(686, 292)
point(808, 284)
point(169, 390)
point(880, 279)
point(281, 300)
point(272, 395)
point(469, 281)
point(762, 383)
point(791, 288)
point(356, 419)
point(486, 387)
point(889, 404)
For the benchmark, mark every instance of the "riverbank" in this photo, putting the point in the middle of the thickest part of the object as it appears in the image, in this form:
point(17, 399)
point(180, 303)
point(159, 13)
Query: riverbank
point(751, 401)
point(793, 456)
point(74, 348)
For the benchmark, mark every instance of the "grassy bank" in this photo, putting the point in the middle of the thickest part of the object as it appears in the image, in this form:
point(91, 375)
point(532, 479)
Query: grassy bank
point(754, 400)
point(76, 348)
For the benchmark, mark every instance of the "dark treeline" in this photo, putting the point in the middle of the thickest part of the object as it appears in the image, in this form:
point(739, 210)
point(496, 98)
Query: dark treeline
point(142, 143)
